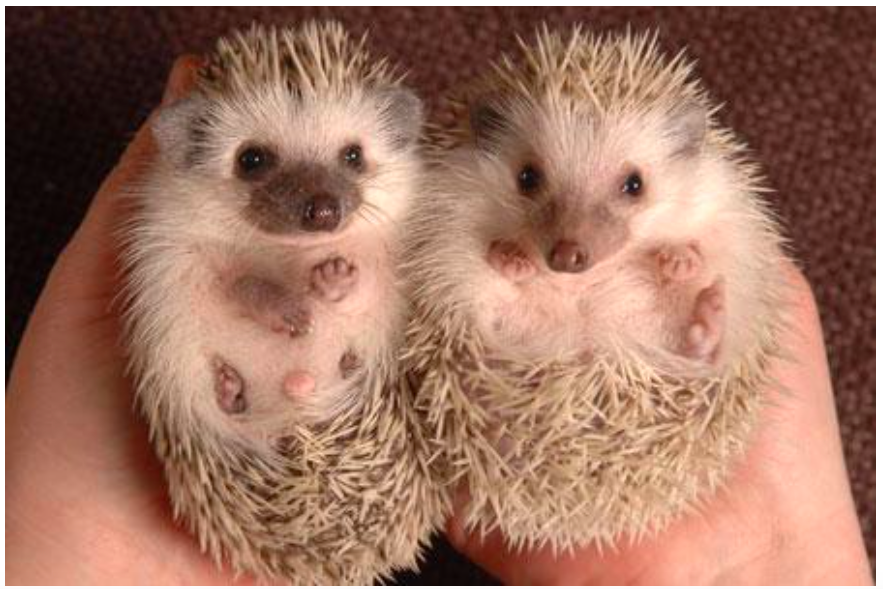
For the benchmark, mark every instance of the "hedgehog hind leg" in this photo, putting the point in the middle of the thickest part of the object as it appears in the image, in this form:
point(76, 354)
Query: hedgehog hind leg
point(229, 388)
point(271, 305)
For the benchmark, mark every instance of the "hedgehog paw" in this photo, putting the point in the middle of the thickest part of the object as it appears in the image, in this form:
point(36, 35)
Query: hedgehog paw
point(679, 263)
point(510, 261)
point(706, 328)
point(334, 278)
point(229, 388)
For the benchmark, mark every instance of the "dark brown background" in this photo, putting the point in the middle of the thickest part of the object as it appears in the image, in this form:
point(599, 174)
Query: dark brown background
point(799, 86)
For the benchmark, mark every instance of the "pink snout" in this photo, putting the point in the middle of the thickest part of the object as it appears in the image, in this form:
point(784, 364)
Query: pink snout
point(569, 256)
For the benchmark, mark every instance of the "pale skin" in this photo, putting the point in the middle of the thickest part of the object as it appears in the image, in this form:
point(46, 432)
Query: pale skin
point(86, 501)
point(673, 267)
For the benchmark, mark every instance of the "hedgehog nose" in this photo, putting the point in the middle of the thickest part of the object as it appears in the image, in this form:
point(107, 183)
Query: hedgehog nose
point(321, 212)
point(568, 256)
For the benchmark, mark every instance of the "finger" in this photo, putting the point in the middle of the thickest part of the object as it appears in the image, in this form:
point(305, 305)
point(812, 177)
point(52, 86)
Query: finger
point(492, 553)
point(181, 82)
point(456, 528)
point(88, 263)
point(536, 566)
point(487, 552)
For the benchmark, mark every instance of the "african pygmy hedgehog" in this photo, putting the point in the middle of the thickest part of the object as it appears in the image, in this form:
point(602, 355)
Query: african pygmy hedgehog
point(263, 311)
point(597, 284)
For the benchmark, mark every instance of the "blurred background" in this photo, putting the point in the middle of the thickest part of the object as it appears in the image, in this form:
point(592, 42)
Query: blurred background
point(799, 87)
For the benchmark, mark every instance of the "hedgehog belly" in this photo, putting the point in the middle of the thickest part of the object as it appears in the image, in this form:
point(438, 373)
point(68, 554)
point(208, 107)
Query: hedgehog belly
point(569, 454)
point(617, 372)
point(344, 499)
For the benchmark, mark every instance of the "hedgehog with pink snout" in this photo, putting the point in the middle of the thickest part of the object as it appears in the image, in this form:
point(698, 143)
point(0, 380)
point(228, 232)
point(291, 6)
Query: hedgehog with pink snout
point(597, 287)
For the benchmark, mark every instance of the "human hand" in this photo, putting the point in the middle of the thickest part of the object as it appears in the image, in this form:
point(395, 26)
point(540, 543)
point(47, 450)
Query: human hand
point(785, 516)
point(86, 500)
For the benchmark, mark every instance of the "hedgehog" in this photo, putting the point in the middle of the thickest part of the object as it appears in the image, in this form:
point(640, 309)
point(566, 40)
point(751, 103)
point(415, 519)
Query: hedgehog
point(597, 284)
point(263, 308)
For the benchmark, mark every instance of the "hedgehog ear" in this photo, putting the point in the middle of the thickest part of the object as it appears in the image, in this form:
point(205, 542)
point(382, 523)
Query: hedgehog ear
point(486, 121)
point(401, 111)
point(686, 126)
point(175, 129)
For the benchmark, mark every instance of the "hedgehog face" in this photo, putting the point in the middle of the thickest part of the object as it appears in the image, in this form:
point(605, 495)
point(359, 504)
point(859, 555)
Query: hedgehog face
point(292, 166)
point(586, 183)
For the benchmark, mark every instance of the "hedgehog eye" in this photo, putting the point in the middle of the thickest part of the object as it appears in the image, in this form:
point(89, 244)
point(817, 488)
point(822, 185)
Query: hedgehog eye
point(633, 185)
point(352, 156)
point(529, 180)
point(252, 160)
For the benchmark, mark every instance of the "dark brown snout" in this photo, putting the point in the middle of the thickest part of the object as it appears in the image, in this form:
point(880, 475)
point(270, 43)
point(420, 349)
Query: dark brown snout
point(305, 197)
point(568, 256)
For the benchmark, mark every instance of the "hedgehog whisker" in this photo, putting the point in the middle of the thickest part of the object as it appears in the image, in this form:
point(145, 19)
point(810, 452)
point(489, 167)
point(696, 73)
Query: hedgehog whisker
point(381, 214)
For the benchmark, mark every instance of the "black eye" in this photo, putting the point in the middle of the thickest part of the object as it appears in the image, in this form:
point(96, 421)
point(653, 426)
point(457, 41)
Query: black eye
point(633, 185)
point(529, 179)
point(253, 160)
point(352, 156)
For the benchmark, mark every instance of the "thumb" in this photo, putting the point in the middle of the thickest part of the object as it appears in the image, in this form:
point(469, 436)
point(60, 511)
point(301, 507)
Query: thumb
point(87, 266)
point(540, 565)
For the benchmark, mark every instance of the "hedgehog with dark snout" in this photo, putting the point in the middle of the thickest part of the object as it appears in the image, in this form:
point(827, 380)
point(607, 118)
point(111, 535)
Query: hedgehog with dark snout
point(263, 313)
point(597, 287)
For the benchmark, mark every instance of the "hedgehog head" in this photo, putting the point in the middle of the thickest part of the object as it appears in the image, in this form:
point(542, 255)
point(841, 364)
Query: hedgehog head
point(293, 134)
point(591, 143)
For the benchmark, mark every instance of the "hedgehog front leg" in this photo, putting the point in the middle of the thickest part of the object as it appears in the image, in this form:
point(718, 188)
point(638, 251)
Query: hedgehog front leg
point(272, 305)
